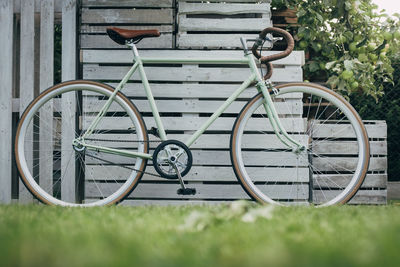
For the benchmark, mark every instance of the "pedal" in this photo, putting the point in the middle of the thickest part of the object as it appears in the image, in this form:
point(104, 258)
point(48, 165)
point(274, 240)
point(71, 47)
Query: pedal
point(186, 191)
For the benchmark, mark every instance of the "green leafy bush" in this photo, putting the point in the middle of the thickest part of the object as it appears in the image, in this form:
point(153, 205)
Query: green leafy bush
point(348, 43)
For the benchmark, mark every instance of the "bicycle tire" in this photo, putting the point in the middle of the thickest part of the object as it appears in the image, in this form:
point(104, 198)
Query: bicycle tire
point(335, 140)
point(87, 98)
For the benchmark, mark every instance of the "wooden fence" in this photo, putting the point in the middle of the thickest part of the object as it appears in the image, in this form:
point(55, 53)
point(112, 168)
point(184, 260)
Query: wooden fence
point(185, 94)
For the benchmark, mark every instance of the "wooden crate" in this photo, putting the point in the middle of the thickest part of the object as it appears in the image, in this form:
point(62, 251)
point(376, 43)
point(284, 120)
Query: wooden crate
point(219, 24)
point(186, 95)
point(97, 15)
point(374, 188)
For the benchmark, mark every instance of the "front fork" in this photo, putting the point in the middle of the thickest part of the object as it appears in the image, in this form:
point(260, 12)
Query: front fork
point(265, 87)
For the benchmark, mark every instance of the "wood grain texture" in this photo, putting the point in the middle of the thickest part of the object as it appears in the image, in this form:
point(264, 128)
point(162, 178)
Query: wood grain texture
point(142, 16)
point(6, 75)
point(127, 3)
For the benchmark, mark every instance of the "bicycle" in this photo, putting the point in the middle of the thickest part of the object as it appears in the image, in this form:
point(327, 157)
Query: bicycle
point(66, 120)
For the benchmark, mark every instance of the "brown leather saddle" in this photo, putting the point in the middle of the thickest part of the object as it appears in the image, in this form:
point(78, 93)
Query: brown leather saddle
point(122, 36)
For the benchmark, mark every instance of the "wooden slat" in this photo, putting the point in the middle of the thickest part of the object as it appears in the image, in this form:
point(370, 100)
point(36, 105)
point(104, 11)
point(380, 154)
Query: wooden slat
point(192, 74)
point(204, 191)
point(362, 196)
point(222, 8)
point(57, 5)
point(376, 130)
point(222, 24)
point(194, 123)
point(205, 174)
point(89, 28)
point(103, 41)
point(68, 103)
point(46, 80)
point(344, 164)
point(339, 180)
point(125, 56)
point(205, 157)
point(348, 147)
point(127, 3)
point(6, 44)
point(393, 190)
point(163, 202)
point(190, 106)
point(142, 16)
point(217, 41)
point(27, 81)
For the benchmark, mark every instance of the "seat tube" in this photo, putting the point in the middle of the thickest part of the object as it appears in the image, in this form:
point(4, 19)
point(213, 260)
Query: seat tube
point(150, 97)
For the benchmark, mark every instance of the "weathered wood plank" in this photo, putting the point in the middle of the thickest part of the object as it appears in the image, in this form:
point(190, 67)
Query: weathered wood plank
point(204, 191)
point(142, 16)
point(219, 40)
point(68, 102)
point(125, 56)
point(27, 57)
point(127, 3)
point(46, 80)
point(376, 130)
point(344, 164)
point(89, 28)
point(190, 106)
point(192, 74)
point(103, 41)
point(206, 174)
point(340, 180)
point(6, 76)
point(163, 202)
point(222, 24)
point(222, 8)
point(393, 190)
point(57, 5)
point(194, 123)
point(347, 147)
point(362, 196)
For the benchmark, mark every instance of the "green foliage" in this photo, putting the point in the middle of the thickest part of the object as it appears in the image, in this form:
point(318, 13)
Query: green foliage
point(37, 235)
point(348, 43)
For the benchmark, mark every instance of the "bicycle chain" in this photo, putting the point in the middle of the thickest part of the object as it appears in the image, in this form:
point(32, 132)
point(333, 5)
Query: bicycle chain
point(123, 166)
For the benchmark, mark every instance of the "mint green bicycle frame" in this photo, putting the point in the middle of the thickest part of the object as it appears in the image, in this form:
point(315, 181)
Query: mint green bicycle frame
point(138, 65)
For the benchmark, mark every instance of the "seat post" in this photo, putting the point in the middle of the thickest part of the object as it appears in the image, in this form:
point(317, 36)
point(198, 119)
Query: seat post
point(134, 49)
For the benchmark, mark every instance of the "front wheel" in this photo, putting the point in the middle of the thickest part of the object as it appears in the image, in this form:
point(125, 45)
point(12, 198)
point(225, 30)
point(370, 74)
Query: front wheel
point(58, 173)
point(331, 168)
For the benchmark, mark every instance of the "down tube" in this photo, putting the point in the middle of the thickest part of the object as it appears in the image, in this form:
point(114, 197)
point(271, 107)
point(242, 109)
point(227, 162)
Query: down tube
point(220, 110)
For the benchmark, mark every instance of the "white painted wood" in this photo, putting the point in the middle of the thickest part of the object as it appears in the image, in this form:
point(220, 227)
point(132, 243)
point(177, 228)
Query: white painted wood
point(27, 61)
point(376, 130)
point(125, 56)
point(68, 102)
point(191, 106)
point(340, 180)
point(89, 28)
point(127, 3)
point(194, 123)
point(195, 74)
point(361, 197)
point(17, 5)
point(214, 41)
point(103, 41)
point(393, 190)
point(142, 16)
point(348, 147)
point(46, 80)
point(223, 8)
point(204, 191)
point(343, 164)
point(6, 67)
point(222, 24)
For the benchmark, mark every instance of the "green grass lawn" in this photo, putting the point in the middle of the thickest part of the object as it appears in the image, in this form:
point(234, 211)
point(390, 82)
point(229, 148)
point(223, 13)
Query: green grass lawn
point(240, 235)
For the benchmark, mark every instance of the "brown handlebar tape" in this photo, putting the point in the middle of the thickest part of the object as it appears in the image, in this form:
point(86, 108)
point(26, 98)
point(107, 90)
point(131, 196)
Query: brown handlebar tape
point(267, 59)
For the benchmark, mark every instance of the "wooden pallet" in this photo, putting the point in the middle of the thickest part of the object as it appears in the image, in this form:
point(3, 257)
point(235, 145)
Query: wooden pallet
point(186, 95)
point(127, 14)
point(219, 24)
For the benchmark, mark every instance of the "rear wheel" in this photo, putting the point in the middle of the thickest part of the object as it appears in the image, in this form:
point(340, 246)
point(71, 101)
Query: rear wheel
point(58, 173)
point(331, 168)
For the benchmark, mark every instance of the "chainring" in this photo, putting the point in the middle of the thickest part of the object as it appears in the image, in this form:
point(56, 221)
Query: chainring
point(172, 152)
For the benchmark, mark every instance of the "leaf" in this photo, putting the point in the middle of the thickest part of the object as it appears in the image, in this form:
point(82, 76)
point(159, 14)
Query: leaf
point(348, 64)
point(314, 66)
point(329, 65)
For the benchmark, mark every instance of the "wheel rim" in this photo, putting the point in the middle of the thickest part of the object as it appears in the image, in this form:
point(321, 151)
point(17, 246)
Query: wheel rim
point(92, 170)
point(320, 175)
